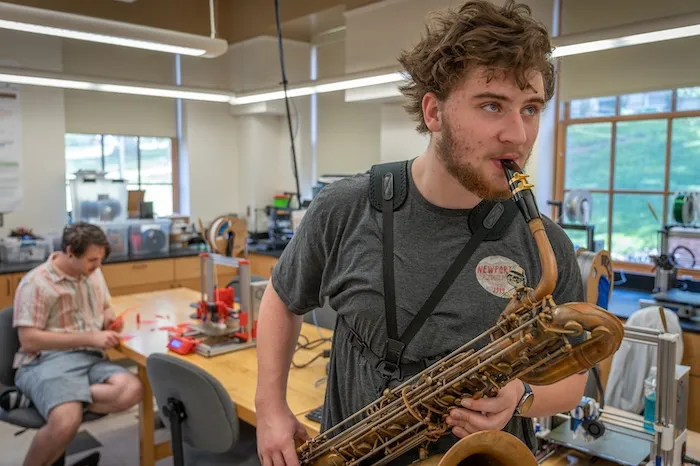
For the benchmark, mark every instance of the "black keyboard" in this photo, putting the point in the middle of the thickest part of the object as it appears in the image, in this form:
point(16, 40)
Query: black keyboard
point(315, 414)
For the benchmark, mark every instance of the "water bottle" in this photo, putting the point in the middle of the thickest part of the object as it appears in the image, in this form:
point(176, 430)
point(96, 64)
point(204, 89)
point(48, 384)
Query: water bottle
point(650, 400)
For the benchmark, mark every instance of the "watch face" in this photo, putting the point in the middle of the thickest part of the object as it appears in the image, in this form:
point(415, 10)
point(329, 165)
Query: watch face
point(526, 404)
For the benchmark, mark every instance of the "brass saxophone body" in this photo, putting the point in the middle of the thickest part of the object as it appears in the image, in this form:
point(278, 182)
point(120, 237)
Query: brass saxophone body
point(530, 341)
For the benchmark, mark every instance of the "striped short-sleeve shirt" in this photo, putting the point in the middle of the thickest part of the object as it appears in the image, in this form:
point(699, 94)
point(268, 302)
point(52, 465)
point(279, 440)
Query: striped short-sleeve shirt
point(49, 299)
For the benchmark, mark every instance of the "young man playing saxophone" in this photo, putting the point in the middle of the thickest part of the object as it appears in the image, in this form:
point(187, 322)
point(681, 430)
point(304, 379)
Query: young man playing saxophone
point(479, 81)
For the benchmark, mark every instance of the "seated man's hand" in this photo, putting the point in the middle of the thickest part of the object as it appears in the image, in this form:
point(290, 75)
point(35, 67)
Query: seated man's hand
point(486, 413)
point(112, 322)
point(105, 339)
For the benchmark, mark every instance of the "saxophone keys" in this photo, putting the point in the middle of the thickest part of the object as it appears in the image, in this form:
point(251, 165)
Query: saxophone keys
point(574, 327)
point(600, 331)
point(505, 368)
point(423, 453)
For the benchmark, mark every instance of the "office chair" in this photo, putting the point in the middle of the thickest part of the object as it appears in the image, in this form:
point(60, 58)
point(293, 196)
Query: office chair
point(204, 426)
point(325, 316)
point(27, 418)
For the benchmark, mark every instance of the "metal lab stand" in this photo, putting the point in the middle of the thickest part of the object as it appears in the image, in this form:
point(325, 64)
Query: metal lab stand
point(625, 438)
point(671, 396)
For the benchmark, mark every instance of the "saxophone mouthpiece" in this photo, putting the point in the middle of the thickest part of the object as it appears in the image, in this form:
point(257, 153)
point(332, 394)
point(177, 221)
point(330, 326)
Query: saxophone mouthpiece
point(521, 189)
point(510, 167)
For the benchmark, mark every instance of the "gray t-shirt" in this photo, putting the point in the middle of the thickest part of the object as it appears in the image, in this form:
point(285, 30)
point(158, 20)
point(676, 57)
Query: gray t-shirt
point(336, 252)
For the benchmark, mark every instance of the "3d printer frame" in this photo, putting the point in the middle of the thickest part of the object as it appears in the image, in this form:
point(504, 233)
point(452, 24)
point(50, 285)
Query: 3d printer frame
point(209, 308)
point(667, 442)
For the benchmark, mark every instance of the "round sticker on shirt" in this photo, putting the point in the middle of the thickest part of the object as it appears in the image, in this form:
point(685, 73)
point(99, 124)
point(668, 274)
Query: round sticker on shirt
point(500, 276)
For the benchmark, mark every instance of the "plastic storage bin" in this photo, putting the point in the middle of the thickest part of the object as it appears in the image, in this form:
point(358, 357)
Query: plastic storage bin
point(96, 199)
point(118, 237)
point(17, 251)
point(149, 237)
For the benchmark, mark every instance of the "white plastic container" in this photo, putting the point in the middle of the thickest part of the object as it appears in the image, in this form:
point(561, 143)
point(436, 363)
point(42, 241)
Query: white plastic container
point(149, 237)
point(118, 237)
point(96, 199)
point(19, 251)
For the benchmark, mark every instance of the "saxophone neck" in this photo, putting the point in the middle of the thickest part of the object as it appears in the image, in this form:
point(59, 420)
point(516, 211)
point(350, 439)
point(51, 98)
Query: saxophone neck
point(526, 202)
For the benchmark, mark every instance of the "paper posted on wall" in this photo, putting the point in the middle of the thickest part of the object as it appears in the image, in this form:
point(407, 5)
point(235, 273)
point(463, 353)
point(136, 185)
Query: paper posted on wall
point(10, 149)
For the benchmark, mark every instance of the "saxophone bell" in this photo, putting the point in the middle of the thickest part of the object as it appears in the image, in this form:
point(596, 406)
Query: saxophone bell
point(486, 448)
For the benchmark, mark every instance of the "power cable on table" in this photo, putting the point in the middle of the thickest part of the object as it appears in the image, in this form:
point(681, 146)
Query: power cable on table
point(310, 345)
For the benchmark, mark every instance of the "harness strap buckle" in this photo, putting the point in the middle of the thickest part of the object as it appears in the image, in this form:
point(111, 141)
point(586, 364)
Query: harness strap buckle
point(390, 364)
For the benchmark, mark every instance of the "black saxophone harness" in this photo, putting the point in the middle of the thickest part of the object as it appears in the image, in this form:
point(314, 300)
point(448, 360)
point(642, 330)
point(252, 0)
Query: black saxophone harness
point(388, 191)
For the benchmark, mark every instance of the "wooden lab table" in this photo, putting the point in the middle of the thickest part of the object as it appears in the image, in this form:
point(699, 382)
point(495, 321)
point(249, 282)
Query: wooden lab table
point(237, 371)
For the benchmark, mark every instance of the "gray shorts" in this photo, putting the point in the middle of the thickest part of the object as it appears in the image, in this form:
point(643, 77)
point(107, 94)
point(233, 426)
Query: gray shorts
point(58, 377)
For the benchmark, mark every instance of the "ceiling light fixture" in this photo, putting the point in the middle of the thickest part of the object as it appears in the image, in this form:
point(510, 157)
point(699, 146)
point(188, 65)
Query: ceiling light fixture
point(620, 36)
point(638, 33)
point(320, 87)
point(58, 80)
point(71, 26)
point(643, 32)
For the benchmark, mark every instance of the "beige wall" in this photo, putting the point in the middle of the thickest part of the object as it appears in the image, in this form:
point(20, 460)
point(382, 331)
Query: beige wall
point(628, 70)
point(211, 148)
point(376, 34)
point(578, 16)
point(97, 112)
point(348, 135)
point(640, 68)
point(348, 132)
point(43, 127)
point(399, 138)
point(255, 64)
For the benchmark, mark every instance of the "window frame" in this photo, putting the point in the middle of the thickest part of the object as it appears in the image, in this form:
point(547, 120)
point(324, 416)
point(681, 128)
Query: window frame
point(174, 160)
point(564, 120)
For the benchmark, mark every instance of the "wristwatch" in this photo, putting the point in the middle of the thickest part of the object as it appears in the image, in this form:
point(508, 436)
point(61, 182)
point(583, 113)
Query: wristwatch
point(525, 401)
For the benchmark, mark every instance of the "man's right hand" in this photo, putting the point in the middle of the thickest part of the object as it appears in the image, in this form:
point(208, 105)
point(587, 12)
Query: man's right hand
point(277, 432)
point(105, 339)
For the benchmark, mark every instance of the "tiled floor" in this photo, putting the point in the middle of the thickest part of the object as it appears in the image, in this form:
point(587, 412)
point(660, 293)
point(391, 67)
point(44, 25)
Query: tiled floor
point(118, 433)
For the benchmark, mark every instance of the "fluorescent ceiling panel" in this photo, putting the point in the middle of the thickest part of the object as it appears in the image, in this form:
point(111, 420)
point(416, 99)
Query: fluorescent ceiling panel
point(643, 32)
point(637, 39)
point(638, 33)
point(47, 79)
point(318, 87)
point(70, 26)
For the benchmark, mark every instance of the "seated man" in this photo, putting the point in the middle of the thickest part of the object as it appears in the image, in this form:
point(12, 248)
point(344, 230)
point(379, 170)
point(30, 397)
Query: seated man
point(64, 320)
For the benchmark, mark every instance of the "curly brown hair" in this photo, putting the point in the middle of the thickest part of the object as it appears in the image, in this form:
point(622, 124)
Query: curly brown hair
point(479, 34)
